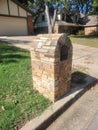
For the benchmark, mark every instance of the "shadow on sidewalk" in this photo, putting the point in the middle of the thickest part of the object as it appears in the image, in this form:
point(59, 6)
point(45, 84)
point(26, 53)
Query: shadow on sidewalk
point(80, 80)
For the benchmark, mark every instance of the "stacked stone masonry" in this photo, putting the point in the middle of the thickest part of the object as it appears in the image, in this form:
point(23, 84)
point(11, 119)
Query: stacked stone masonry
point(51, 74)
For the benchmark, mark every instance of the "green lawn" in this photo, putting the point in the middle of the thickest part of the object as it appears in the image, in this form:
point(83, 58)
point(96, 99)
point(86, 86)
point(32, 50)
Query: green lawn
point(18, 101)
point(85, 40)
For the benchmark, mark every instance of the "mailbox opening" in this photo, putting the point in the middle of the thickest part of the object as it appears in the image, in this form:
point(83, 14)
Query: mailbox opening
point(64, 53)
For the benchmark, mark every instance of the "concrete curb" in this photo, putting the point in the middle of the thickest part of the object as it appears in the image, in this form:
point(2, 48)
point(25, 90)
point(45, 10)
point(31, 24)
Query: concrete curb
point(56, 109)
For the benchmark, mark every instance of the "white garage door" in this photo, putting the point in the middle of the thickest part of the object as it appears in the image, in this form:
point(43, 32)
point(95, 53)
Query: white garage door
point(11, 26)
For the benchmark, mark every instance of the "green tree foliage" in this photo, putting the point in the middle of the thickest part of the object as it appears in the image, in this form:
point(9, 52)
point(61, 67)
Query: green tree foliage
point(95, 3)
point(95, 7)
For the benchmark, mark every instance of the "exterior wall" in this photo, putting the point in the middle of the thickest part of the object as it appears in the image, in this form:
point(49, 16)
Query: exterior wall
point(13, 8)
point(59, 17)
point(3, 7)
point(22, 12)
point(13, 26)
point(63, 29)
point(29, 14)
point(51, 66)
point(91, 30)
point(56, 29)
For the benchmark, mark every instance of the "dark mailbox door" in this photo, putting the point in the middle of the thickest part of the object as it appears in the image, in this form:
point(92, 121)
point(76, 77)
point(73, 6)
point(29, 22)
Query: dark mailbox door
point(64, 53)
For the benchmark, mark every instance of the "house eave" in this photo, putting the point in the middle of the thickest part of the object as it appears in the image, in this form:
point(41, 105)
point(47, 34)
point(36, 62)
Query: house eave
point(91, 25)
point(63, 23)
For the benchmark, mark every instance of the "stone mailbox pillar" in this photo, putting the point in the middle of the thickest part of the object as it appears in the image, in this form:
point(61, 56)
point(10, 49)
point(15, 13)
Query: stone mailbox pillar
point(51, 66)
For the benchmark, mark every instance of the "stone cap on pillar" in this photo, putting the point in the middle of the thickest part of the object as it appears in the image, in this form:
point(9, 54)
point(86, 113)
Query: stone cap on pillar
point(53, 47)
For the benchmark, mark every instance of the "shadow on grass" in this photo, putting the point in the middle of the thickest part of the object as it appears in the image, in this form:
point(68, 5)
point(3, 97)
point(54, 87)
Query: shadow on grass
point(9, 53)
point(6, 47)
point(10, 40)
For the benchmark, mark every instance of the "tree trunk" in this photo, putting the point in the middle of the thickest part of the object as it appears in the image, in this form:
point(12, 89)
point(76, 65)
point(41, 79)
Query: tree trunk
point(54, 19)
point(50, 20)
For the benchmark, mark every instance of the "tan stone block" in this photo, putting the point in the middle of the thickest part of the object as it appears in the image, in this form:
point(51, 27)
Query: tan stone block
point(41, 90)
point(45, 59)
point(48, 43)
point(41, 50)
point(57, 60)
point(44, 76)
point(50, 55)
point(48, 85)
point(53, 79)
point(48, 70)
point(41, 55)
point(46, 47)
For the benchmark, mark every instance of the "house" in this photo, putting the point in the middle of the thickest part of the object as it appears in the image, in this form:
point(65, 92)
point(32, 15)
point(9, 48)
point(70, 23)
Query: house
point(66, 27)
point(91, 27)
point(15, 19)
point(63, 23)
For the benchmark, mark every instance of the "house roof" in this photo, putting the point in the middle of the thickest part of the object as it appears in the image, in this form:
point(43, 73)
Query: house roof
point(63, 23)
point(22, 6)
point(92, 21)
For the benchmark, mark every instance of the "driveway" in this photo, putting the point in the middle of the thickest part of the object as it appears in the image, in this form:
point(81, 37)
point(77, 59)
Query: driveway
point(85, 58)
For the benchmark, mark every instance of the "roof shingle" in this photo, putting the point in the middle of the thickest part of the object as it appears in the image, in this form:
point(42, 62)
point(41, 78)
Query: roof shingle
point(92, 20)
